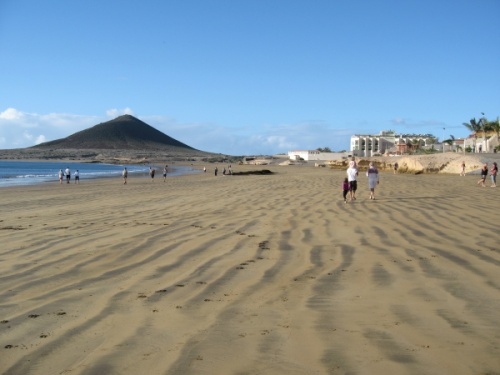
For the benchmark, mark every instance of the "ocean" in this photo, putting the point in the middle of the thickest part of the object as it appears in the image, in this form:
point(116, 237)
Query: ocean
point(17, 173)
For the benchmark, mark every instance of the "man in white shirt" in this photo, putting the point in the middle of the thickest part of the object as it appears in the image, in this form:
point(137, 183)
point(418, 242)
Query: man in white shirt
point(352, 175)
point(68, 175)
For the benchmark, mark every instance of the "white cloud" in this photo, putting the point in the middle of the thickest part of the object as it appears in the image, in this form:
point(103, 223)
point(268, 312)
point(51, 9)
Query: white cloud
point(40, 139)
point(266, 140)
point(20, 129)
point(11, 114)
point(399, 121)
point(28, 136)
point(114, 112)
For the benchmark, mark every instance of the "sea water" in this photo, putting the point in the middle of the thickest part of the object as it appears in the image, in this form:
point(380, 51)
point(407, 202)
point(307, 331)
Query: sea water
point(17, 173)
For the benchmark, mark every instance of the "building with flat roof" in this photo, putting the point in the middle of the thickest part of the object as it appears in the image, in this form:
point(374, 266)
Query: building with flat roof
point(315, 155)
point(387, 141)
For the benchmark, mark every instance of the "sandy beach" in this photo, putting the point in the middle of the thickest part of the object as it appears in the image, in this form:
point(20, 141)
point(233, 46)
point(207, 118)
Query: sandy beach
point(251, 275)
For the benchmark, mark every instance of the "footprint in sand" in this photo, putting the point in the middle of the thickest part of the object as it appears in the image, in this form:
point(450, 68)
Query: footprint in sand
point(263, 245)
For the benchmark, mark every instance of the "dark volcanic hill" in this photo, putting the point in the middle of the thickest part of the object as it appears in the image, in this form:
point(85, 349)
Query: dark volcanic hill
point(123, 133)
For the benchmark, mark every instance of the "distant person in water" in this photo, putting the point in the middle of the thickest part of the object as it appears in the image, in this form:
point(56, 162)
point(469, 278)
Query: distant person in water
point(61, 176)
point(373, 180)
point(125, 175)
point(68, 175)
point(152, 173)
point(165, 173)
point(484, 173)
point(77, 177)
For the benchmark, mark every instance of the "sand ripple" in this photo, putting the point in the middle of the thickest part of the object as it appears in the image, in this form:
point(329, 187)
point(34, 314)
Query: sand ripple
point(251, 275)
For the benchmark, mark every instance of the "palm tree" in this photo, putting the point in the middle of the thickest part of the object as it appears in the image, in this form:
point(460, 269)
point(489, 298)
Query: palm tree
point(495, 127)
point(430, 141)
point(475, 127)
point(485, 127)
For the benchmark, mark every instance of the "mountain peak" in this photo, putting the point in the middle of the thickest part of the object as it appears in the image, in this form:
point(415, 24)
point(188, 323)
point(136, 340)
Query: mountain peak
point(125, 132)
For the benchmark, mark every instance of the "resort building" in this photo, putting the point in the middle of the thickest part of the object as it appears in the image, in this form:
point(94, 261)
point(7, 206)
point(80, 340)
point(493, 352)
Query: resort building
point(388, 141)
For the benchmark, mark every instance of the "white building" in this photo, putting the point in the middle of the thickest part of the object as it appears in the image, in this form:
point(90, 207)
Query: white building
point(315, 155)
point(388, 141)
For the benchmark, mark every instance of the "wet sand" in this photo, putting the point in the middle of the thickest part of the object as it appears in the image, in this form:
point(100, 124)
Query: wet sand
point(251, 275)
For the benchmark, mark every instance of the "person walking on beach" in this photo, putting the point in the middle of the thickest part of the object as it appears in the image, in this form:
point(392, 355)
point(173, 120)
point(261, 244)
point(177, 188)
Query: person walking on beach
point(396, 166)
point(345, 189)
point(215, 171)
point(77, 177)
point(484, 173)
point(493, 174)
point(352, 175)
point(165, 173)
point(373, 180)
point(68, 175)
point(204, 169)
point(61, 175)
point(125, 175)
point(463, 169)
point(152, 174)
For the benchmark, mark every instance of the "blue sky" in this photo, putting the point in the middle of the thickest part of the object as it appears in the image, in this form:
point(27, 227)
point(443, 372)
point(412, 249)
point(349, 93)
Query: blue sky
point(248, 77)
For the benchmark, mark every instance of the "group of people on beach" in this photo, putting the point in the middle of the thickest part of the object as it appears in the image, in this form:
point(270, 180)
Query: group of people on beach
point(484, 174)
point(152, 172)
point(67, 174)
point(350, 183)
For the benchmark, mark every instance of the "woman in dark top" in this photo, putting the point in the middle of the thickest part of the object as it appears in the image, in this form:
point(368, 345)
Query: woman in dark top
point(484, 173)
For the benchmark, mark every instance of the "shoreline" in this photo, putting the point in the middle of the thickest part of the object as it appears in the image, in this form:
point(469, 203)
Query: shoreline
point(174, 171)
